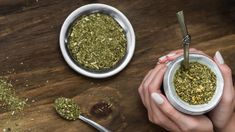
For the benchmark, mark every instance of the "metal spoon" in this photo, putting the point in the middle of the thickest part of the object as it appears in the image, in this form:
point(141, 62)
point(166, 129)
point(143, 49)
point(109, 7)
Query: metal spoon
point(94, 124)
point(69, 110)
point(186, 38)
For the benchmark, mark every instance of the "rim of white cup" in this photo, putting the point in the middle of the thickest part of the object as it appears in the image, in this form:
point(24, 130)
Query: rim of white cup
point(178, 103)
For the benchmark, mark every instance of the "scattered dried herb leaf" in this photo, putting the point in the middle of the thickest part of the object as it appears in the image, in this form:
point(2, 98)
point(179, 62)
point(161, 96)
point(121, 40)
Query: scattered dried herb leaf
point(67, 108)
point(97, 42)
point(196, 85)
point(6, 130)
point(8, 98)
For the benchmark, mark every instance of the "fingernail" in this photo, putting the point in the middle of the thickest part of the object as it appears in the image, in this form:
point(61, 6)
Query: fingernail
point(162, 58)
point(157, 98)
point(171, 54)
point(219, 57)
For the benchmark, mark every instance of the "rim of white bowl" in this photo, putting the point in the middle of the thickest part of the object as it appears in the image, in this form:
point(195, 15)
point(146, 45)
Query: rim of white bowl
point(124, 22)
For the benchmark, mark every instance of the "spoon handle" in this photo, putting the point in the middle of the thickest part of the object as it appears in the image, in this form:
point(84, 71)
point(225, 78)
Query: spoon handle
point(186, 38)
point(94, 124)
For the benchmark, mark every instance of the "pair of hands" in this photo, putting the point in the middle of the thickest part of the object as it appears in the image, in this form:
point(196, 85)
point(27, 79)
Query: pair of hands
point(162, 113)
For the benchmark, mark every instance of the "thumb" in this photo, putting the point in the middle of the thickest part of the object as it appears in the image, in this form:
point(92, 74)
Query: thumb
point(180, 119)
point(226, 72)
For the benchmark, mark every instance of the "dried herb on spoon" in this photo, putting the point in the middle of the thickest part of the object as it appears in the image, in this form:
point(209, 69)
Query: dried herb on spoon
point(67, 108)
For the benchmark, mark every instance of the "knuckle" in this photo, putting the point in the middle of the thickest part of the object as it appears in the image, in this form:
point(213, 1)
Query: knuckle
point(157, 121)
point(170, 111)
point(190, 127)
point(145, 85)
point(210, 126)
point(227, 70)
point(151, 87)
point(186, 129)
point(220, 125)
point(228, 100)
point(163, 121)
point(194, 126)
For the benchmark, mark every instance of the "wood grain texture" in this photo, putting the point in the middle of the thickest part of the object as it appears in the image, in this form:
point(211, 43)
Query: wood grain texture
point(31, 59)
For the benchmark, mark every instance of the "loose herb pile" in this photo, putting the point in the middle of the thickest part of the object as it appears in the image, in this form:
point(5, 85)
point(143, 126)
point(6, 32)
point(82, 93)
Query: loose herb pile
point(97, 42)
point(67, 108)
point(196, 85)
point(8, 98)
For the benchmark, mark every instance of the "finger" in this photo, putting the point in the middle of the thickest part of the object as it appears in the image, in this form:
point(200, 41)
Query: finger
point(158, 116)
point(170, 58)
point(164, 59)
point(140, 90)
point(152, 75)
point(148, 74)
point(227, 75)
point(181, 50)
point(146, 85)
point(142, 93)
point(160, 119)
point(191, 50)
point(180, 119)
point(145, 89)
point(147, 82)
point(175, 54)
point(167, 58)
point(184, 122)
point(157, 80)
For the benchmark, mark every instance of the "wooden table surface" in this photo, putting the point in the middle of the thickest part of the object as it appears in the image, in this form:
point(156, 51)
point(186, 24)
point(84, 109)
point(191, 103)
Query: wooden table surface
point(30, 57)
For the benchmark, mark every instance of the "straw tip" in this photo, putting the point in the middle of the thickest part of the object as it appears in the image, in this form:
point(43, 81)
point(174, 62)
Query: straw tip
point(180, 12)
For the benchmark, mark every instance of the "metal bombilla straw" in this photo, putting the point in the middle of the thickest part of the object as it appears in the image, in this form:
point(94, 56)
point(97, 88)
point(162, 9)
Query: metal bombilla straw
point(186, 38)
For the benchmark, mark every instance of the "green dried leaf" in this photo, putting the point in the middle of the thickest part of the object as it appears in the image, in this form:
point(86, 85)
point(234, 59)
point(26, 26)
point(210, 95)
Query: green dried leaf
point(67, 108)
point(8, 98)
point(196, 85)
point(97, 42)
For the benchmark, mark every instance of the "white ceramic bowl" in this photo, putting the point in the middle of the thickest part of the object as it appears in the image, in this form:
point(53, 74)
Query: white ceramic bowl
point(175, 100)
point(122, 21)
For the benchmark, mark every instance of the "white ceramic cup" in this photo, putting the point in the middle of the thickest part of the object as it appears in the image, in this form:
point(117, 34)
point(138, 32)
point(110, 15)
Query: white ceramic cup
point(175, 100)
